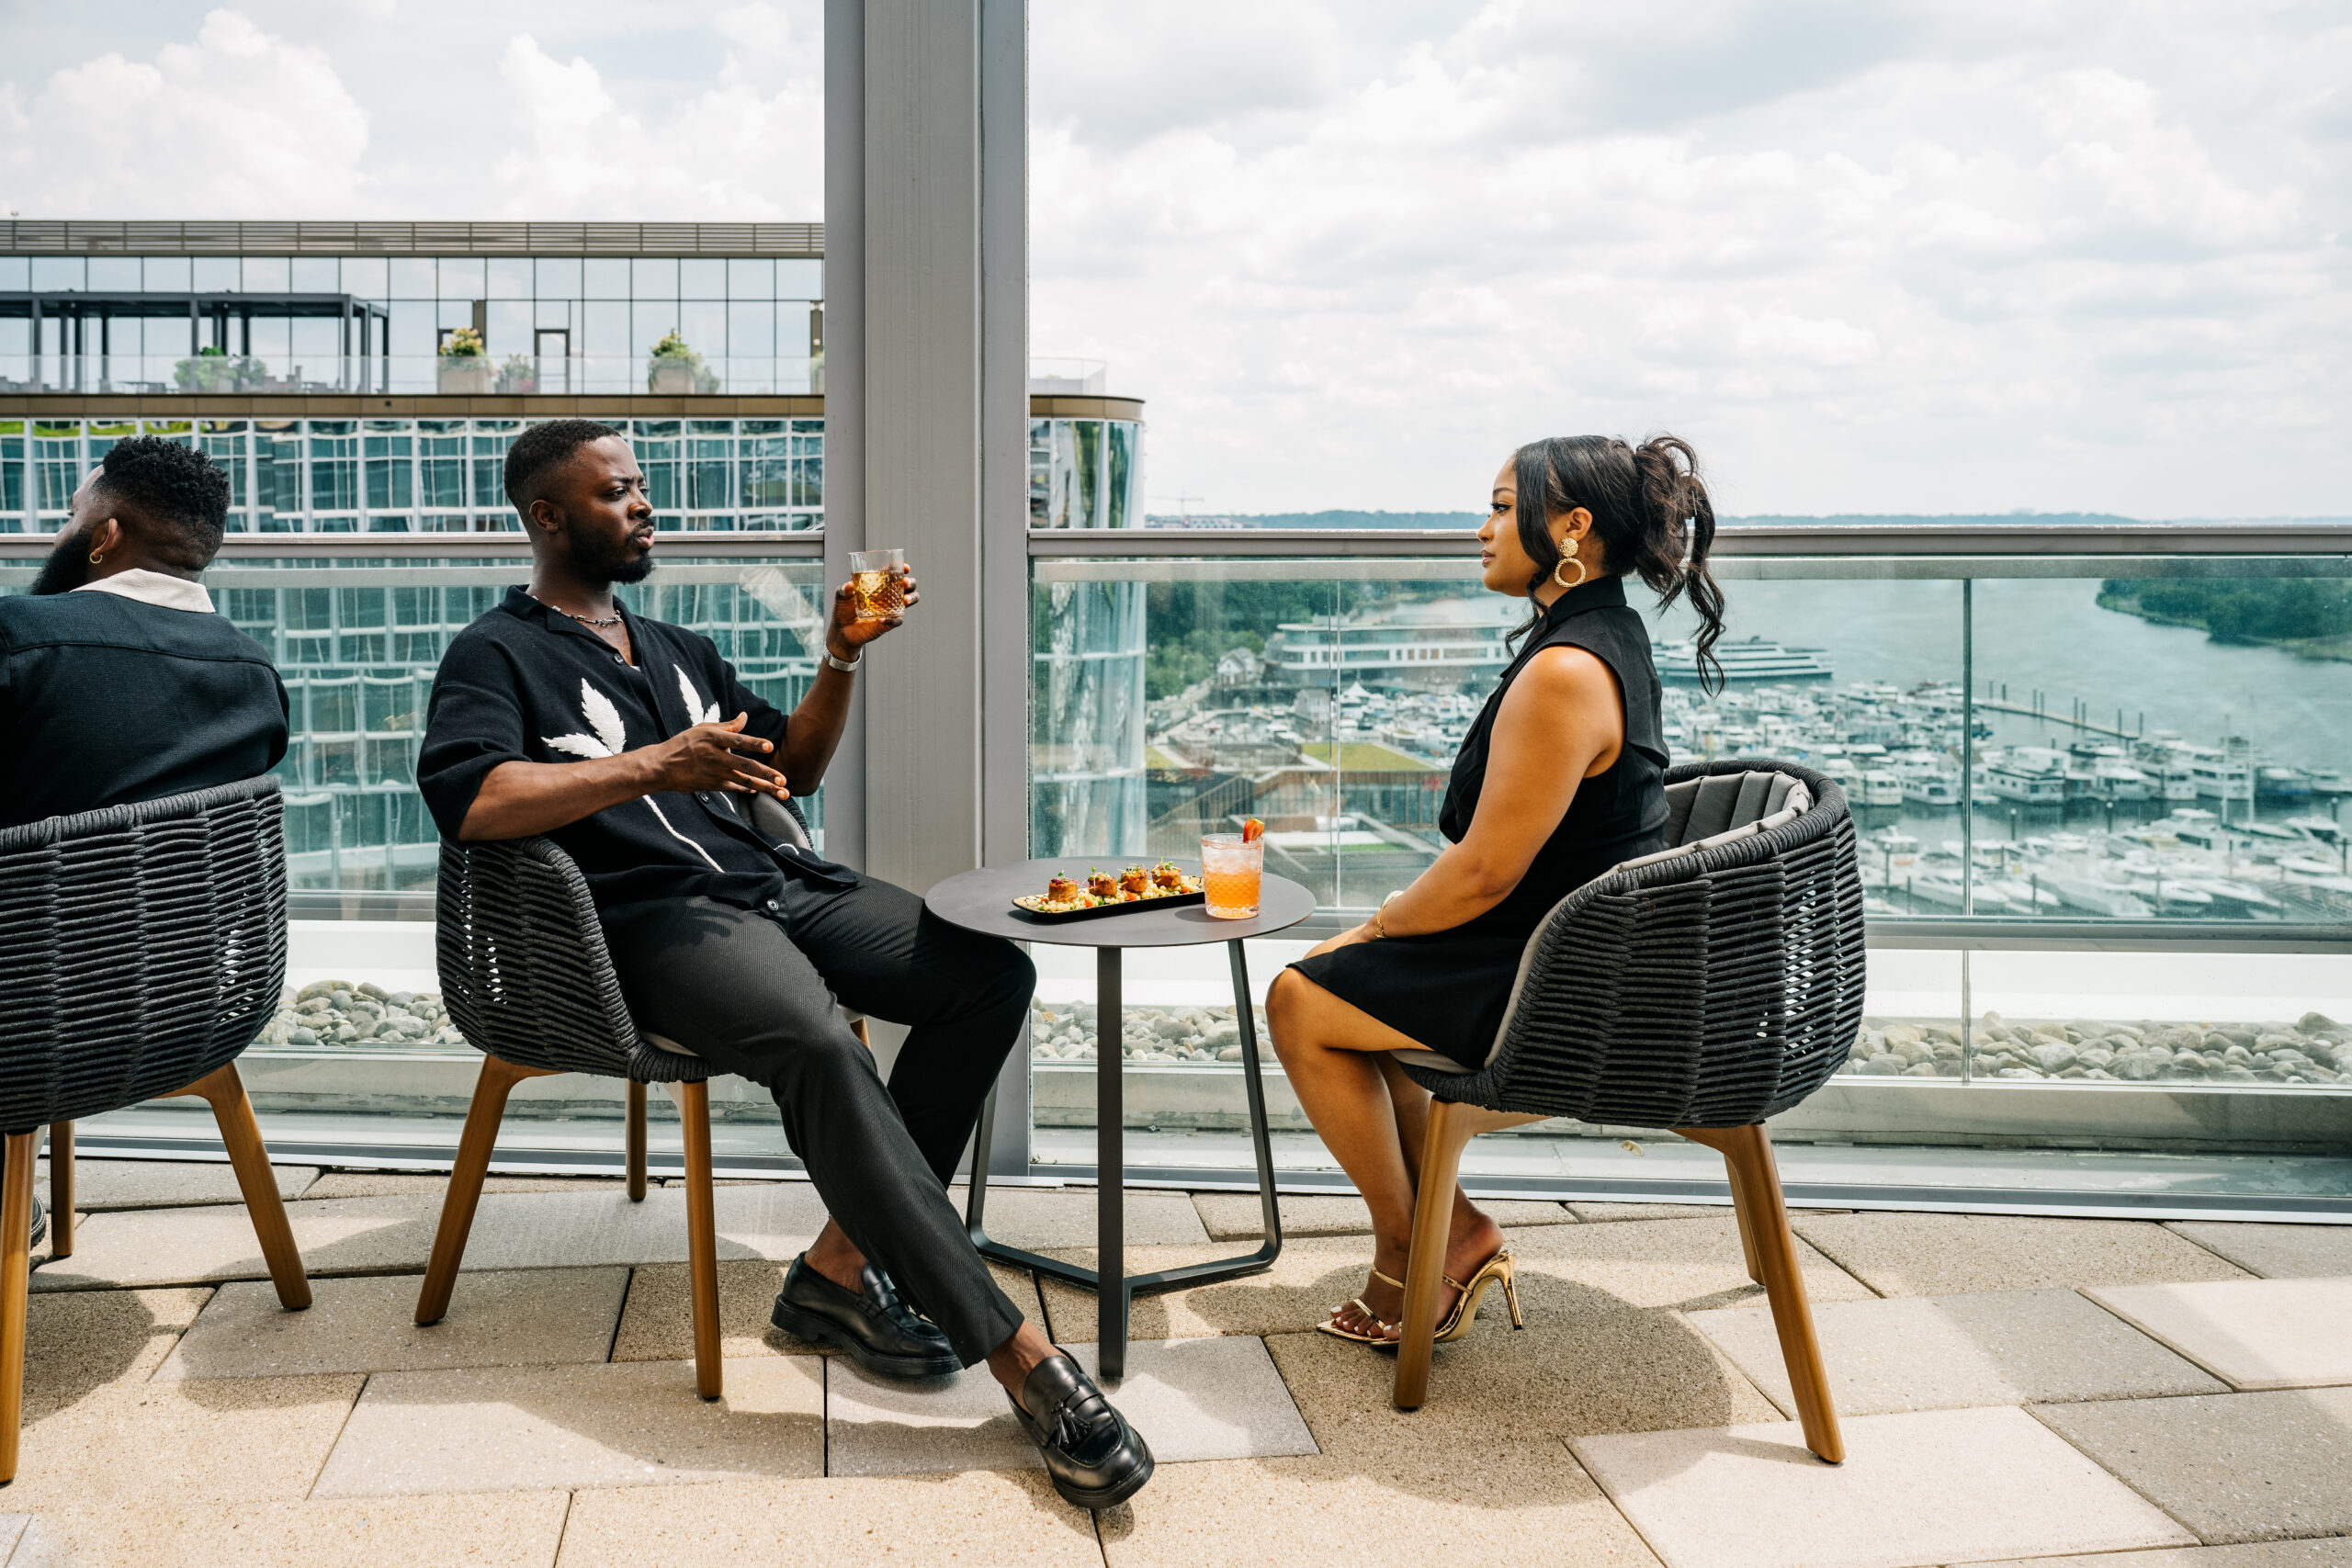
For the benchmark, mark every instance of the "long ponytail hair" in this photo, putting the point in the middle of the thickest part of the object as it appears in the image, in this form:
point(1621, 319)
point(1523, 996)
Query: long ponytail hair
point(1650, 511)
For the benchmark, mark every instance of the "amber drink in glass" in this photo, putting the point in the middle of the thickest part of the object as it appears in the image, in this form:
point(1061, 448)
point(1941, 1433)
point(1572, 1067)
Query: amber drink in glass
point(877, 583)
point(1230, 873)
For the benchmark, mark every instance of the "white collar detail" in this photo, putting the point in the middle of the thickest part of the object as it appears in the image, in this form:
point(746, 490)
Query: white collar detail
point(153, 588)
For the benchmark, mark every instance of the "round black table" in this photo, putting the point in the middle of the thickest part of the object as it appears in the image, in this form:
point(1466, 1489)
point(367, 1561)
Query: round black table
point(982, 901)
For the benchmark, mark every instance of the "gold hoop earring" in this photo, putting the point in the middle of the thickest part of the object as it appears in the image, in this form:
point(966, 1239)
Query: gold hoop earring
point(1581, 572)
point(96, 559)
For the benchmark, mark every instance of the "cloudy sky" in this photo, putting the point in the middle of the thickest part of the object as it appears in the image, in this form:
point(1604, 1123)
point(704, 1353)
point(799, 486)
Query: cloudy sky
point(1905, 256)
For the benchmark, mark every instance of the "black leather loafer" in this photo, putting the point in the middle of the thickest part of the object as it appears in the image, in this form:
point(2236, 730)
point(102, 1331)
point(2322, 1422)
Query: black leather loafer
point(1095, 1459)
point(877, 1330)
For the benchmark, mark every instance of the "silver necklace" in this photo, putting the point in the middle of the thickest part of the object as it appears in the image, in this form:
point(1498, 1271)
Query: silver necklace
point(612, 620)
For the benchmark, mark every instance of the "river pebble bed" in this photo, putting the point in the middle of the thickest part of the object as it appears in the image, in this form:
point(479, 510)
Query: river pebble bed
point(2314, 1050)
point(358, 1016)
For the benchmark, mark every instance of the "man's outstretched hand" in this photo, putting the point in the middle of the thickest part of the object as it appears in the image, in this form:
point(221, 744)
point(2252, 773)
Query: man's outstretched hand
point(714, 756)
point(846, 634)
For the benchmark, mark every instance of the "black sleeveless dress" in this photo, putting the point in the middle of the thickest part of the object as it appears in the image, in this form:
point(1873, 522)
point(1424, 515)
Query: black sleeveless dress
point(1447, 989)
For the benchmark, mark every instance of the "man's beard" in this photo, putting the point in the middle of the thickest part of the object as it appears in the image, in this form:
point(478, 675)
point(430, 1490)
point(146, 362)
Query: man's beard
point(612, 564)
point(68, 566)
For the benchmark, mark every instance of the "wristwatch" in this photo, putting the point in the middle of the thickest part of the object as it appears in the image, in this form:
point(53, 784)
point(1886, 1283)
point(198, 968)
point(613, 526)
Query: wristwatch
point(846, 666)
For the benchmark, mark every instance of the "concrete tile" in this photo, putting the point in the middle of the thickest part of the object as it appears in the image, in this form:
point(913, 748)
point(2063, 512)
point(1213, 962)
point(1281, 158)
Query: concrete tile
point(532, 1317)
point(2274, 1252)
point(1039, 1219)
point(2253, 1334)
point(41, 1545)
point(102, 1184)
point(517, 1530)
point(1933, 1352)
point(1946, 1255)
point(11, 1529)
point(1311, 1276)
point(79, 1343)
point(1596, 1212)
point(524, 1428)
point(2334, 1552)
point(1921, 1487)
point(1688, 1264)
point(1204, 1399)
point(1484, 1505)
point(401, 1183)
point(1594, 1365)
point(165, 1247)
point(2232, 1467)
point(1235, 1216)
point(394, 1235)
point(875, 1426)
point(188, 1444)
point(1003, 1520)
point(1192, 1399)
point(658, 1324)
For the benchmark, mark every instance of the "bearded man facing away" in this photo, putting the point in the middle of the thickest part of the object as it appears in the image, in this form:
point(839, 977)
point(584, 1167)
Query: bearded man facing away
point(562, 713)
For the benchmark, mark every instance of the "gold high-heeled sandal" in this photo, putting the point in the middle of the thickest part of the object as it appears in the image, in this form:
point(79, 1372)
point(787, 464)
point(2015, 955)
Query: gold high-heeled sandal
point(1465, 1305)
point(1330, 1326)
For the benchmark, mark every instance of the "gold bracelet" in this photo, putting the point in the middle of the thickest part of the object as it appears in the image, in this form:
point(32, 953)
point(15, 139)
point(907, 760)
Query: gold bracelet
point(1379, 930)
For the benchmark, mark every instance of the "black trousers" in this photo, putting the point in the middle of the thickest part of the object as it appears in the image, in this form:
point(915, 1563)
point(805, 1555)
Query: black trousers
point(757, 993)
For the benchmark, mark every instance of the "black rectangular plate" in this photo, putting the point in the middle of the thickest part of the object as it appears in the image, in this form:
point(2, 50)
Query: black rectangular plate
point(1102, 911)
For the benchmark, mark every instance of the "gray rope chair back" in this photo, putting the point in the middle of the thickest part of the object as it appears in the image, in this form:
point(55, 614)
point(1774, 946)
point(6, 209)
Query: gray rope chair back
point(1713, 985)
point(141, 947)
point(523, 968)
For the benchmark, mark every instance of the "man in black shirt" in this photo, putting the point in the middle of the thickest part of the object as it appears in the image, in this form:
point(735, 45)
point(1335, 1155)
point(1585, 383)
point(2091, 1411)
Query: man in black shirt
point(561, 712)
point(117, 682)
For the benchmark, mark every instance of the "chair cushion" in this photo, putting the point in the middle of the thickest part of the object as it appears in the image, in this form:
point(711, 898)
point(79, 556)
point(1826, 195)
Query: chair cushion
point(1787, 796)
point(1701, 809)
point(664, 1043)
point(1435, 1061)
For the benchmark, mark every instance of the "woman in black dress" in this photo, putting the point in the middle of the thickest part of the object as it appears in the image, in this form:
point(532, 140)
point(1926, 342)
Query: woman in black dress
point(1560, 778)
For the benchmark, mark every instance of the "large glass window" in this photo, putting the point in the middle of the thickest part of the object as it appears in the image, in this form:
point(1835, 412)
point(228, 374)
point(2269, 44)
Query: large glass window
point(2097, 803)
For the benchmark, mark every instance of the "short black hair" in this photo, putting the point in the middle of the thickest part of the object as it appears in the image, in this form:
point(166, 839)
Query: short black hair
point(178, 494)
point(541, 447)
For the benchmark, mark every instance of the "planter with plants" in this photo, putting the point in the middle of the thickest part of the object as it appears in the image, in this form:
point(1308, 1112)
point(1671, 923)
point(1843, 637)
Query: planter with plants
point(465, 362)
point(519, 374)
point(676, 370)
point(213, 370)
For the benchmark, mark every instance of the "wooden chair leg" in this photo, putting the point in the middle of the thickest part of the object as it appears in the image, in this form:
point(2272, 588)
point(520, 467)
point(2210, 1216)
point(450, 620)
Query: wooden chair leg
point(1743, 1208)
point(1756, 1187)
point(249, 1157)
point(16, 1266)
point(636, 1142)
point(702, 1232)
point(61, 1188)
point(474, 1145)
point(1451, 1128)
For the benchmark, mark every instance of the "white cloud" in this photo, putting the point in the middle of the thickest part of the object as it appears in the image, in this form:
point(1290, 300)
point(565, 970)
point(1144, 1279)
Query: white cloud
point(749, 146)
point(238, 121)
point(1972, 258)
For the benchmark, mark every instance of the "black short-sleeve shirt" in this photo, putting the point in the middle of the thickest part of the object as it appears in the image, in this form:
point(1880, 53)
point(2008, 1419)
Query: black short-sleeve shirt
point(524, 684)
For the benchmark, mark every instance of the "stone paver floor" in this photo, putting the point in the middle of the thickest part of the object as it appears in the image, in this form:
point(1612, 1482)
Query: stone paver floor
point(2062, 1392)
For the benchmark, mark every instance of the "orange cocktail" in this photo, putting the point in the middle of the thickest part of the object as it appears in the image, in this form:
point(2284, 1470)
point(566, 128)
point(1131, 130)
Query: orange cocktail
point(1232, 868)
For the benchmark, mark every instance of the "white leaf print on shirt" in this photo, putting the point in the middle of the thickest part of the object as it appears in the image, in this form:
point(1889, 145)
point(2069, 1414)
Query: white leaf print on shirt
point(696, 712)
point(610, 740)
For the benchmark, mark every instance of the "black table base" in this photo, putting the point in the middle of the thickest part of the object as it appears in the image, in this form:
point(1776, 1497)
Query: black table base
point(1114, 1288)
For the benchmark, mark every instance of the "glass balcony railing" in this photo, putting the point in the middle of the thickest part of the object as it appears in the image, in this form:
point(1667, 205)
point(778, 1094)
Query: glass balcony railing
point(2100, 804)
point(517, 374)
point(2098, 795)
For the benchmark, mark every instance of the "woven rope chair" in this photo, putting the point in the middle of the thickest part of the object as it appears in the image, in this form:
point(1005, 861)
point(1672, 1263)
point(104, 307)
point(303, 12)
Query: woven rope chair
point(528, 982)
point(1701, 990)
point(141, 949)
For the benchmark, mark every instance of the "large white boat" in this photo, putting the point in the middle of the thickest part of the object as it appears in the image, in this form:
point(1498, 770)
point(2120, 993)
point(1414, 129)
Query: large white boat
point(1748, 658)
point(2100, 898)
point(2009, 780)
point(1881, 786)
